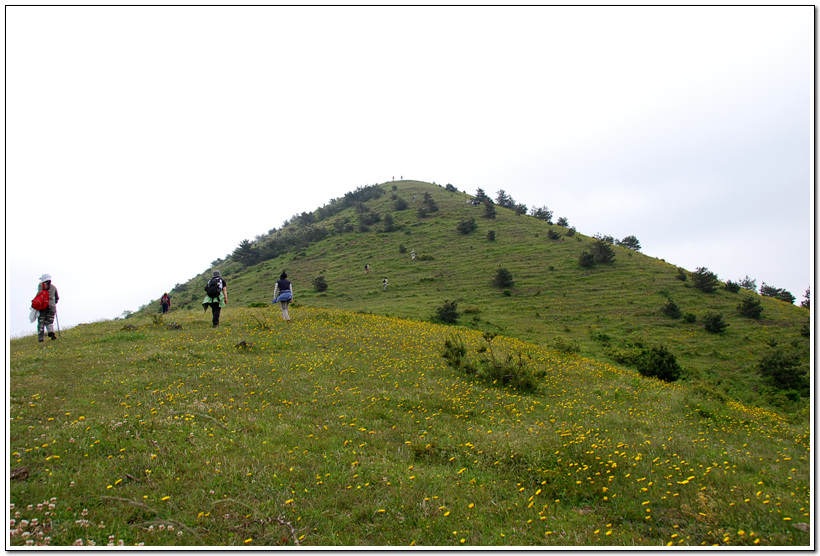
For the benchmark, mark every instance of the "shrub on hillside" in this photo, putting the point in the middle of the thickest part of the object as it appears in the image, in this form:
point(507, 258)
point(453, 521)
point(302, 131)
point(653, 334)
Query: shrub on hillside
point(777, 293)
point(586, 260)
point(491, 235)
point(672, 310)
point(659, 363)
point(783, 370)
point(447, 312)
point(246, 253)
point(630, 242)
point(748, 283)
point(603, 252)
point(389, 225)
point(429, 202)
point(681, 275)
point(466, 226)
point(806, 303)
point(553, 234)
point(481, 197)
point(402, 248)
point(319, 284)
point(689, 318)
point(542, 213)
point(400, 204)
point(704, 280)
point(750, 307)
point(571, 232)
point(714, 323)
point(503, 278)
point(489, 209)
point(732, 287)
point(508, 370)
point(562, 221)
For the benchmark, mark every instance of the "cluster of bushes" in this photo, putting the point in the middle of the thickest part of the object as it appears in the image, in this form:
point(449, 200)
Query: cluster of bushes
point(508, 370)
point(428, 206)
point(285, 241)
point(506, 201)
point(600, 252)
point(777, 293)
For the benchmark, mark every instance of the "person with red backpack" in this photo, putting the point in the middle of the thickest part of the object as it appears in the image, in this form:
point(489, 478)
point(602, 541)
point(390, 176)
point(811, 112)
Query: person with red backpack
point(165, 302)
point(45, 303)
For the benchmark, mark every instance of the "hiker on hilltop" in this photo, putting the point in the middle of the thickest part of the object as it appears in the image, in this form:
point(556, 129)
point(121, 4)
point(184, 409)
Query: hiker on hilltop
point(216, 295)
point(165, 302)
point(45, 305)
point(367, 268)
point(384, 284)
point(283, 294)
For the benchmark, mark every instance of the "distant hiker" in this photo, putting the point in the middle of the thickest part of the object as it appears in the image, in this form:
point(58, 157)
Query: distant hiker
point(45, 305)
point(413, 255)
point(283, 294)
point(384, 284)
point(367, 268)
point(165, 302)
point(216, 295)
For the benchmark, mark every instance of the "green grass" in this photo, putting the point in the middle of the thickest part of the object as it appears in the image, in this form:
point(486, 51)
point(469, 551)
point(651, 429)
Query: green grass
point(348, 429)
point(554, 303)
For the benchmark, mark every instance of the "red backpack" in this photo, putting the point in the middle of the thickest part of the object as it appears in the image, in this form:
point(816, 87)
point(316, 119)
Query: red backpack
point(40, 301)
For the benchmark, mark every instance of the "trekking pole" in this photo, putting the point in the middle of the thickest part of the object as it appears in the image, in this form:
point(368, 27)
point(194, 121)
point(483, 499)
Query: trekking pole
point(56, 318)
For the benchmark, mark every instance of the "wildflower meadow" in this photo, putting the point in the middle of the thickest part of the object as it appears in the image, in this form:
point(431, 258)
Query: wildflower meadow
point(349, 429)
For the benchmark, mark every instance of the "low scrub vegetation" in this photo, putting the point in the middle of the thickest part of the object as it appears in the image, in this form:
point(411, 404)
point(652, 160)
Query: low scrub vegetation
point(485, 365)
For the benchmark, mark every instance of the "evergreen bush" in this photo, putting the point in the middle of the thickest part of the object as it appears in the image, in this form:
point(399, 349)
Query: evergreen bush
point(319, 284)
point(672, 310)
point(777, 293)
point(553, 234)
point(603, 252)
point(783, 370)
point(503, 278)
point(466, 226)
point(491, 235)
point(659, 363)
point(713, 322)
point(586, 260)
point(447, 312)
point(750, 307)
point(733, 287)
point(704, 280)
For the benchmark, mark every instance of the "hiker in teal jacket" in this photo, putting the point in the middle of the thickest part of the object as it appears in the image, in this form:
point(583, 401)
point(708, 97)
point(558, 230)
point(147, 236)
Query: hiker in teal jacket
point(216, 303)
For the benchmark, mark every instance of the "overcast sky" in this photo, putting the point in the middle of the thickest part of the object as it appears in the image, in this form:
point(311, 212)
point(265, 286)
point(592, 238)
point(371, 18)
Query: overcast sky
point(158, 138)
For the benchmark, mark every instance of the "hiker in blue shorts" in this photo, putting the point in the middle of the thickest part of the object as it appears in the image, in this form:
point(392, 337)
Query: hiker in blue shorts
point(283, 293)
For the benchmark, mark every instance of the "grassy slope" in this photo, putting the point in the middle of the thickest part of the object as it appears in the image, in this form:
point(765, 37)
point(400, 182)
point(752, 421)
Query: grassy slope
point(348, 429)
point(605, 312)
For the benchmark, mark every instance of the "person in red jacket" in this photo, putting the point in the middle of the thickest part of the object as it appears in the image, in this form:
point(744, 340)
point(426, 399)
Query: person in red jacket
point(45, 319)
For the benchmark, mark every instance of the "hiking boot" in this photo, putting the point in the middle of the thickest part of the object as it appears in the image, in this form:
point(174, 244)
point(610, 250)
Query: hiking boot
point(40, 337)
point(52, 335)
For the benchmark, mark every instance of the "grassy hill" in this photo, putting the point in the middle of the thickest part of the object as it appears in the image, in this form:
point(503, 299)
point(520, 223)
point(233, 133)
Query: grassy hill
point(348, 429)
point(610, 312)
